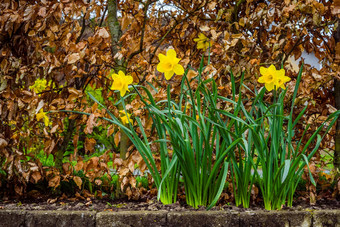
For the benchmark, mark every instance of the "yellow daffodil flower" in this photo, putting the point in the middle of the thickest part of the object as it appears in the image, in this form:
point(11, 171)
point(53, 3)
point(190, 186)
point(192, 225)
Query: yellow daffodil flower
point(281, 80)
point(39, 85)
point(169, 64)
point(125, 118)
point(202, 42)
point(273, 78)
point(42, 115)
point(121, 82)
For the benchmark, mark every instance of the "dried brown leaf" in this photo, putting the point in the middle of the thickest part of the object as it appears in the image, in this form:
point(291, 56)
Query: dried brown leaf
point(73, 58)
point(78, 181)
point(36, 176)
point(102, 32)
point(3, 143)
point(117, 138)
point(91, 122)
point(89, 144)
point(54, 182)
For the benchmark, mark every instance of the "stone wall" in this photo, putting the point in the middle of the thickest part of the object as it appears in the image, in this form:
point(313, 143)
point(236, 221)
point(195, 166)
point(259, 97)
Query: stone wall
point(313, 218)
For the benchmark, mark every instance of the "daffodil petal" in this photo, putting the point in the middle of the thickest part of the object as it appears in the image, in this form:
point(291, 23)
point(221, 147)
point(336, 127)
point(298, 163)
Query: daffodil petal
point(171, 53)
point(116, 85)
point(281, 72)
point(125, 118)
point(174, 61)
point(168, 75)
point(39, 116)
point(269, 87)
point(114, 76)
point(129, 79)
point(272, 67)
point(272, 70)
point(121, 73)
point(263, 71)
point(178, 69)
point(126, 87)
point(200, 45)
point(202, 36)
point(261, 79)
point(161, 67)
point(46, 121)
point(161, 57)
point(122, 92)
point(286, 79)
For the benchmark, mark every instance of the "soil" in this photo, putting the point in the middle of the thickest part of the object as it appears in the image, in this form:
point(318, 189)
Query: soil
point(146, 204)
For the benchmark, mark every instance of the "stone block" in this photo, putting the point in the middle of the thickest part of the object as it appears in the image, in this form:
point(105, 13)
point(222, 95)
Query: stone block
point(203, 219)
point(326, 218)
point(60, 218)
point(131, 218)
point(276, 219)
point(9, 218)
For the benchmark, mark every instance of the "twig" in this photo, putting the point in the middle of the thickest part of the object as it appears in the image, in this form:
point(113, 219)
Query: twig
point(295, 45)
point(102, 20)
point(331, 51)
point(236, 8)
point(82, 28)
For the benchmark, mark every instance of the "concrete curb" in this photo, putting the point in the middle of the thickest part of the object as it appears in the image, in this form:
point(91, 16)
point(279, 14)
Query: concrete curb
point(50, 218)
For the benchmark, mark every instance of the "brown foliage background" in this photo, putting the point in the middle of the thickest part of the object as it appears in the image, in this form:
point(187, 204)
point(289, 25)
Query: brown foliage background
point(68, 43)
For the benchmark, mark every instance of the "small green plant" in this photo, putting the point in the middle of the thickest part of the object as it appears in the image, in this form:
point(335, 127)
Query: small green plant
point(193, 135)
point(230, 127)
point(143, 181)
point(46, 160)
point(281, 159)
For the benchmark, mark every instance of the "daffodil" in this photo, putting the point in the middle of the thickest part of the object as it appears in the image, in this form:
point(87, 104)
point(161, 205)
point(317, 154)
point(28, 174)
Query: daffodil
point(202, 42)
point(121, 82)
point(281, 80)
point(125, 118)
point(168, 64)
point(273, 78)
point(39, 85)
point(42, 115)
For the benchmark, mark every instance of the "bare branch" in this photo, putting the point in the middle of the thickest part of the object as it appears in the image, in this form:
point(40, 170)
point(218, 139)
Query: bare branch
point(82, 28)
point(102, 20)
